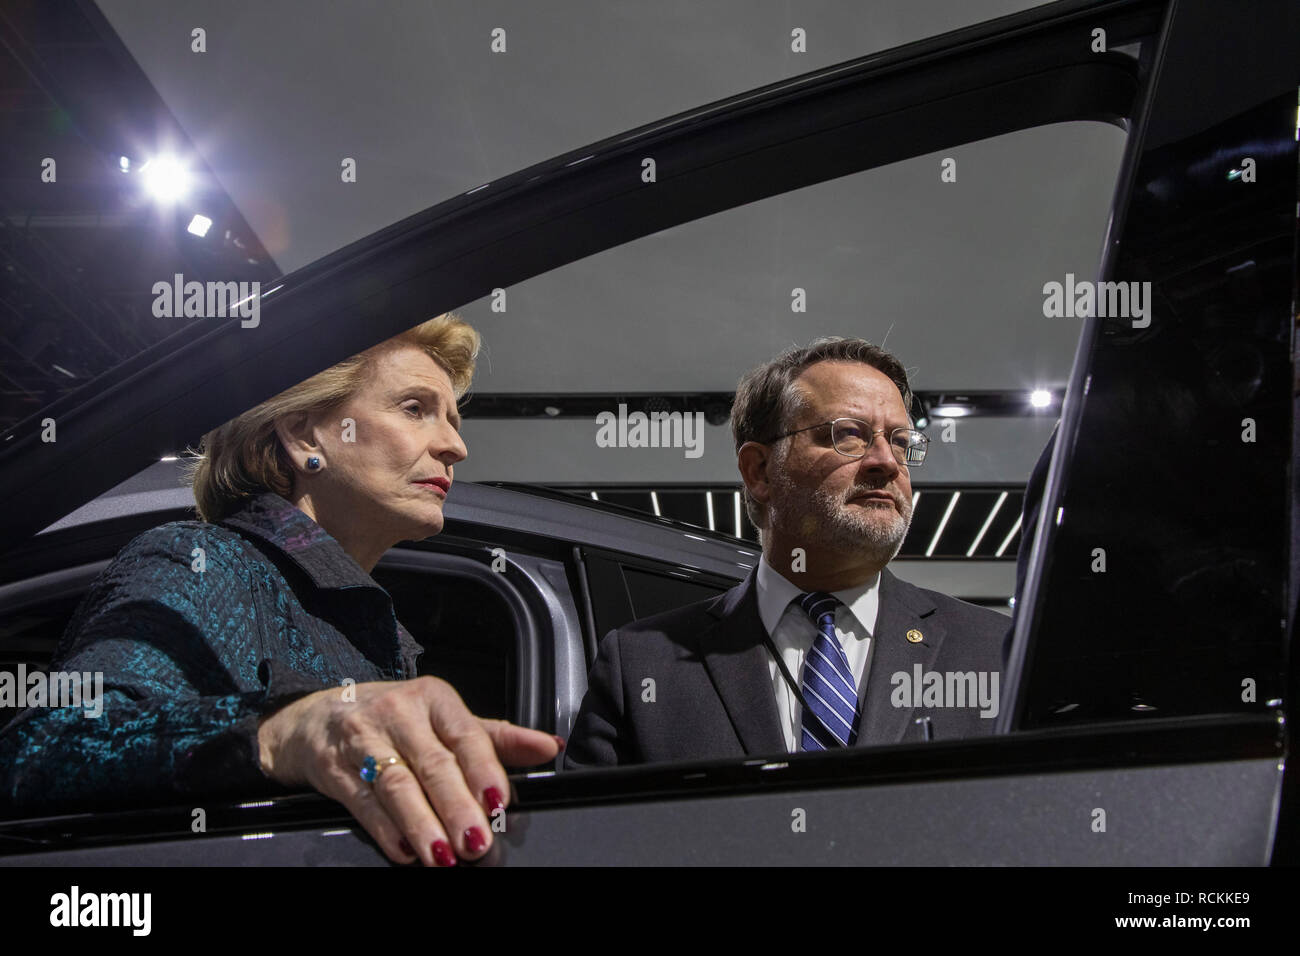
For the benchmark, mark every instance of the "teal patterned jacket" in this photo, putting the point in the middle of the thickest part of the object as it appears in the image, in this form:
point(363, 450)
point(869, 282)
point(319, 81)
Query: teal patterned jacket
point(199, 630)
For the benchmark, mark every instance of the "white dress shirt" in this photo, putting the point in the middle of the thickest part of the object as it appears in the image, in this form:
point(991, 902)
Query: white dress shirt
point(793, 633)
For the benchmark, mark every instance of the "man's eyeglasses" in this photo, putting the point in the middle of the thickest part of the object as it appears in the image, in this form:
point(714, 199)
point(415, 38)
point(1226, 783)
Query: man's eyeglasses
point(852, 438)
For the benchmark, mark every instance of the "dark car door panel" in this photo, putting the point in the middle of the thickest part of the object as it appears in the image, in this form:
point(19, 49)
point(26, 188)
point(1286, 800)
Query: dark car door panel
point(1143, 794)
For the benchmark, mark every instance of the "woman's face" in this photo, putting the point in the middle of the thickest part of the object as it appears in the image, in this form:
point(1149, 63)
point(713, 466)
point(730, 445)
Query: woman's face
point(387, 454)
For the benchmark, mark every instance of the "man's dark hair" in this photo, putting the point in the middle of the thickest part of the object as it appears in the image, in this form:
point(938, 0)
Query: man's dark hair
point(766, 401)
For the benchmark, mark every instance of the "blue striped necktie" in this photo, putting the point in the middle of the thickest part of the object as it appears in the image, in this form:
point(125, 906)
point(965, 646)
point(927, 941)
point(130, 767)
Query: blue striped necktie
point(830, 714)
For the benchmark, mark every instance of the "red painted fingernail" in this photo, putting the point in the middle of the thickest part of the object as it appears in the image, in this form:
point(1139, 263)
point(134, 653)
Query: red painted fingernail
point(559, 740)
point(475, 840)
point(405, 848)
point(492, 798)
point(442, 854)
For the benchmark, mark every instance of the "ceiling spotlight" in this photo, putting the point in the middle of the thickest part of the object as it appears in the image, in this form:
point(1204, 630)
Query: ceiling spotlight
point(165, 179)
point(124, 164)
point(1040, 398)
point(950, 411)
point(199, 225)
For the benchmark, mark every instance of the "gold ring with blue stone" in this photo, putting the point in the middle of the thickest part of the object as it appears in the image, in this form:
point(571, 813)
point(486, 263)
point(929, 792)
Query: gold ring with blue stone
point(372, 768)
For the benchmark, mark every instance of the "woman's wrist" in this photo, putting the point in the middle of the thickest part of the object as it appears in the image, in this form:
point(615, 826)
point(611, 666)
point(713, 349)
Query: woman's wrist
point(272, 731)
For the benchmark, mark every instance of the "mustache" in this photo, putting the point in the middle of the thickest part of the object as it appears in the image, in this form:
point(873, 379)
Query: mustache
point(857, 490)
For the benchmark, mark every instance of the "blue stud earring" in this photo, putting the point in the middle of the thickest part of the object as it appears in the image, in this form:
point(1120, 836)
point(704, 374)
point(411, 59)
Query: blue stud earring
point(313, 463)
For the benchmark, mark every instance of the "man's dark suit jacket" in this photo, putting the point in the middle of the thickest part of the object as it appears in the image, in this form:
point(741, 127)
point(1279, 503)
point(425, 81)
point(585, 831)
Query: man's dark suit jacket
point(713, 694)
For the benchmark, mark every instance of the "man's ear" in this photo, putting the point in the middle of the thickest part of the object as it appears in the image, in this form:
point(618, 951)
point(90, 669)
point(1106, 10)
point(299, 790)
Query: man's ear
point(297, 436)
point(752, 460)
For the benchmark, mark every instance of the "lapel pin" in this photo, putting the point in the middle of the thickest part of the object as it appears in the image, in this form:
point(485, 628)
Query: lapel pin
point(914, 636)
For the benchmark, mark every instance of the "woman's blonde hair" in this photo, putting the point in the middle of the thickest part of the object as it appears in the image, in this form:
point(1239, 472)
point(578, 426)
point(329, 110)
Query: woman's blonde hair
point(244, 457)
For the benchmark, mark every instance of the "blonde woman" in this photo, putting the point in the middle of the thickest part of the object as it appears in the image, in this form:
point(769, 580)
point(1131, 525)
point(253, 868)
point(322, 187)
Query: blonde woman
point(228, 645)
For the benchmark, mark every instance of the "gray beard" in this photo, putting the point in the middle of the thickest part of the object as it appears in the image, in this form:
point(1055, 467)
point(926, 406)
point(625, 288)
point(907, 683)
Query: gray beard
point(824, 518)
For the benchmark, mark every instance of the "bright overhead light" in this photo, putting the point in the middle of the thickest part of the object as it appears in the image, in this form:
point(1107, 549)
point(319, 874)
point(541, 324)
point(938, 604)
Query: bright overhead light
point(950, 411)
point(943, 523)
point(1007, 540)
point(199, 225)
point(165, 179)
point(987, 521)
point(124, 163)
point(1040, 398)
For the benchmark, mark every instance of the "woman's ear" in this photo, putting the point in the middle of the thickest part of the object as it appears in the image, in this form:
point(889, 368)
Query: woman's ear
point(298, 439)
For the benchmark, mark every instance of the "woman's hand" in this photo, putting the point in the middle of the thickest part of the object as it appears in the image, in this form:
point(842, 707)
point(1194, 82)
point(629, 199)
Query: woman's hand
point(437, 807)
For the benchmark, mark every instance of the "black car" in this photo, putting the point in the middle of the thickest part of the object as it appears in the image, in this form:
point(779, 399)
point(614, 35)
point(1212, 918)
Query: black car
point(1135, 698)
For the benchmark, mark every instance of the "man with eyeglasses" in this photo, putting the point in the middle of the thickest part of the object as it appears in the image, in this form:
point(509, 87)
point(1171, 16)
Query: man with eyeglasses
point(820, 647)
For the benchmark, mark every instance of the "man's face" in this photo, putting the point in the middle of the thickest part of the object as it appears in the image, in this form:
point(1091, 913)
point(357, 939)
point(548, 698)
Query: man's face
point(857, 506)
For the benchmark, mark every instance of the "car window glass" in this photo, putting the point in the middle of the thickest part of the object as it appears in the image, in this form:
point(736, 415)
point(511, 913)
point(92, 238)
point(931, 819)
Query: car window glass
point(464, 627)
point(622, 592)
point(1165, 589)
point(654, 592)
point(467, 634)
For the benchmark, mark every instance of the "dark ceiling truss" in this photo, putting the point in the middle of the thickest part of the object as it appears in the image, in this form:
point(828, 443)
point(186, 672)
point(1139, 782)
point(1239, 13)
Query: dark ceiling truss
point(79, 255)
